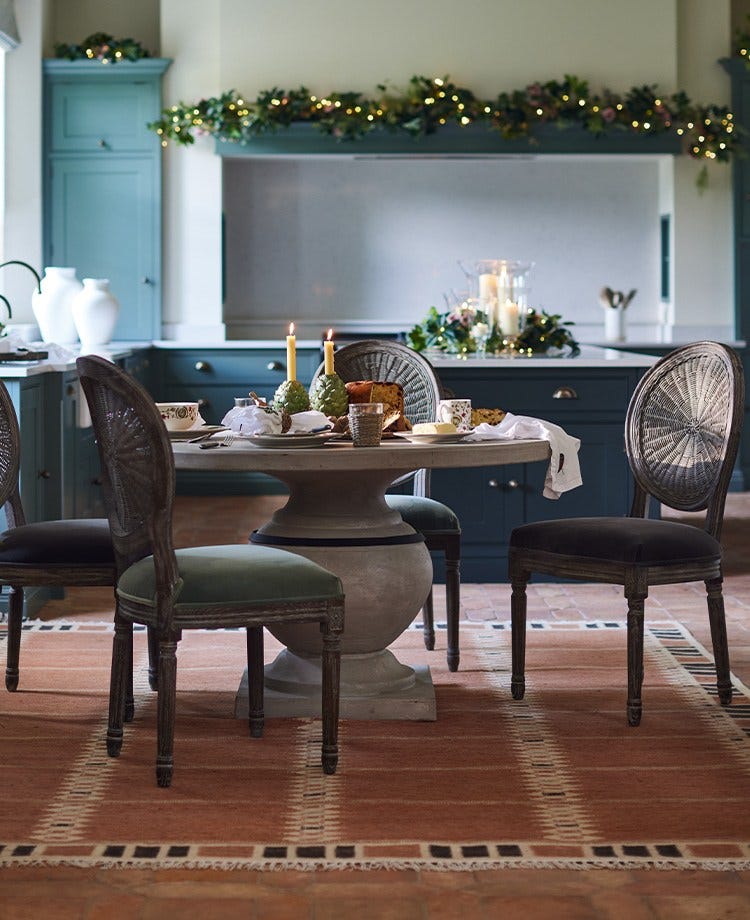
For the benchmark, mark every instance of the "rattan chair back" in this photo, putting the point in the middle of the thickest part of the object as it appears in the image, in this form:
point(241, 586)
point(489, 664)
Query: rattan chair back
point(682, 430)
point(138, 478)
point(391, 362)
point(10, 461)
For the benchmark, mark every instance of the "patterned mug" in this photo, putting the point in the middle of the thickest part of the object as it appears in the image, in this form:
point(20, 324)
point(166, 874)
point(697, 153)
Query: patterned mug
point(457, 411)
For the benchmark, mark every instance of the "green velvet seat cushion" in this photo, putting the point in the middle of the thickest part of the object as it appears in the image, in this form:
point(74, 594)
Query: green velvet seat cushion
point(234, 574)
point(424, 514)
point(634, 541)
point(72, 542)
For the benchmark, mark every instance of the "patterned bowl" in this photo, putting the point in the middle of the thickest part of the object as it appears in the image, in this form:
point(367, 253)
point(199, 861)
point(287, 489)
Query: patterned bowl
point(178, 416)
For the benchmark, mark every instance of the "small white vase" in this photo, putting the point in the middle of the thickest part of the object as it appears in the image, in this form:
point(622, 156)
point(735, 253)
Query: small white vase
point(614, 324)
point(95, 311)
point(52, 307)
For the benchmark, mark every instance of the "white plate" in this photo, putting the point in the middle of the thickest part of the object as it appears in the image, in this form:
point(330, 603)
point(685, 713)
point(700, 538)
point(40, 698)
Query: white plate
point(190, 433)
point(290, 441)
point(452, 438)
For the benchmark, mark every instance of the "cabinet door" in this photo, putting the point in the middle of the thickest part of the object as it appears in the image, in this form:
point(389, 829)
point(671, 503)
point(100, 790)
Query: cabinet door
point(38, 482)
point(104, 221)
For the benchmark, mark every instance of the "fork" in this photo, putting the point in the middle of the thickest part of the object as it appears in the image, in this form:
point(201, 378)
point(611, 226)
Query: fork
point(226, 439)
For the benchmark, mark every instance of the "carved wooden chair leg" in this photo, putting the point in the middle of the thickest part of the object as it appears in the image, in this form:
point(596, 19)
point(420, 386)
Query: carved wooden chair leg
point(331, 664)
point(719, 639)
point(453, 603)
point(165, 710)
point(636, 603)
point(428, 623)
point(129, 711)
point(518, 580)
point(117, 685)
point(15, 626)
point(153, 658)
point(255, 680)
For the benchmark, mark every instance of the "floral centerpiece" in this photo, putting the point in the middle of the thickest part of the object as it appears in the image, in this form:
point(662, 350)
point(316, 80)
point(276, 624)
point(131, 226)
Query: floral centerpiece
point(454, 333)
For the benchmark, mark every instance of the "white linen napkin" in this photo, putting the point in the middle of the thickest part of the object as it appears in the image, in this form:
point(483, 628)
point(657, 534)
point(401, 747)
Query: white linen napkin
point(249, 420)
point(308, 421)
point(564, 471)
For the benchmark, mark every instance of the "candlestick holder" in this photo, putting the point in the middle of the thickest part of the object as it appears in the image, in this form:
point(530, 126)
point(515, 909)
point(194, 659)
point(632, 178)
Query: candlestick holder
point(328, 395)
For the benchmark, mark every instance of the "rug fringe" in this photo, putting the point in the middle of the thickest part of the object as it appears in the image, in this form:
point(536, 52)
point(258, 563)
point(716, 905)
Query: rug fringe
point(396, 865)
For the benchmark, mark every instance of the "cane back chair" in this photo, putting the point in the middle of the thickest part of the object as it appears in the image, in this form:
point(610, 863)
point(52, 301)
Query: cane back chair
point(386, 361)
point(73, 553)
point(205, 587)
point(681, 435)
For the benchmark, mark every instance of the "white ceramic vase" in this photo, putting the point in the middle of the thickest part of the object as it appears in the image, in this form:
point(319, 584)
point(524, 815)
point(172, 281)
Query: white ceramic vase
point(52, 307)
point(614, 324)
point(95, 311)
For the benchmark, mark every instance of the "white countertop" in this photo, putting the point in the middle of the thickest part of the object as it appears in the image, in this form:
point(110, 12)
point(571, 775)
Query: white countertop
point(590, 356)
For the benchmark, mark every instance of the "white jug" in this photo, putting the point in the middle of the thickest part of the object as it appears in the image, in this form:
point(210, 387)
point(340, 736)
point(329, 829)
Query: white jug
point(52, 307)
point(95, 311)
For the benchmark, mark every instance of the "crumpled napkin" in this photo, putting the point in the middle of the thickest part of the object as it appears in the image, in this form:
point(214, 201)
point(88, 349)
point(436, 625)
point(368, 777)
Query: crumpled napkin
point(249, 420)
point(308, 421)
point(564, 471)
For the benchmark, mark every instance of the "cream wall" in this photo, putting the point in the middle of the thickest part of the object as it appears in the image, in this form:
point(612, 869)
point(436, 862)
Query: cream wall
point(486, 45)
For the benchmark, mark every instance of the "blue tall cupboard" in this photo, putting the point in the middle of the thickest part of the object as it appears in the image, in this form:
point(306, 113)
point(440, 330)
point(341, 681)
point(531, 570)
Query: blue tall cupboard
point(102, 182)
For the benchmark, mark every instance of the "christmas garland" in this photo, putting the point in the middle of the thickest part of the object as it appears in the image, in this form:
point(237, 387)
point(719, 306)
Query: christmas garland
point(103, 47)
point(707, 132)
point(454, 333)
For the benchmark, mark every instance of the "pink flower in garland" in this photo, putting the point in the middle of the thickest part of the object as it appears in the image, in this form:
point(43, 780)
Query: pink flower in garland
point(609, 114)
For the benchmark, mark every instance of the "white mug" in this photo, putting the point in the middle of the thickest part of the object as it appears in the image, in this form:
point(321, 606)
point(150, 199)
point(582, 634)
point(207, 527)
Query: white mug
point(457, 411)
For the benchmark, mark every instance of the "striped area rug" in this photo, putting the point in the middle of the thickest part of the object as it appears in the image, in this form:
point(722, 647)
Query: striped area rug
point(557, 780)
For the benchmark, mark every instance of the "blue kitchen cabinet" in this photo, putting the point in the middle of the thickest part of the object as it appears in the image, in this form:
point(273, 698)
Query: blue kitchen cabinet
point(102, 195)
point(588, 403)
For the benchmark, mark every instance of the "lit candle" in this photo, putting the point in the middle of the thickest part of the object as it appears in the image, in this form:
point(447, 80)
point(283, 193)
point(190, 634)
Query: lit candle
point(504, 286)
point(291, 354)
point(487, 291)
point(509, 314)
point(328, 354)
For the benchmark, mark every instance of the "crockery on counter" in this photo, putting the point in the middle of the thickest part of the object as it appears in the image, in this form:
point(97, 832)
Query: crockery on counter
point(291, 441)
point(437, 437)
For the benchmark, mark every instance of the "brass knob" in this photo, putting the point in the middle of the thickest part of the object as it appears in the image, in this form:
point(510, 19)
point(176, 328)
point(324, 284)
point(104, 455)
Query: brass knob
point(70, 390)
point(96, 481)
point(202, 367)
point(275, 366)
point(203, 404)
point(493, 484)
point(145, 280)
point(565, 393)
point(102, 143)
point(513, 483)
point(44, 474)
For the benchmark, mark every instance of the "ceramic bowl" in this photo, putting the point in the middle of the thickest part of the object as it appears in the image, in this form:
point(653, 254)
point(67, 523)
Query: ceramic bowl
point(178, 416)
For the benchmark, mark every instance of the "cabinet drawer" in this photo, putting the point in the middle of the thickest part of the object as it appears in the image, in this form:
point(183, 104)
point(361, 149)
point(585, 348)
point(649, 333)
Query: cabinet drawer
point(242, 368)
point(95, 117)
point(550, 395)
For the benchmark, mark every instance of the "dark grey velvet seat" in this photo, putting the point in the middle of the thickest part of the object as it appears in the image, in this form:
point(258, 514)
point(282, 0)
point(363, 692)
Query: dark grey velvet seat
point(681, 436)
point(386, 361)
point(45, 554)
point(204, 587)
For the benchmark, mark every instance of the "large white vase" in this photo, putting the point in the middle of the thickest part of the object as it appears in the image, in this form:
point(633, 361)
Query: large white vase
point(95, 311)
point(52, 307)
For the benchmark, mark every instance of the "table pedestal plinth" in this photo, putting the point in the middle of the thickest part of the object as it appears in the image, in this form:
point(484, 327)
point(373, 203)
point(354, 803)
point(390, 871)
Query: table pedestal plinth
point(386, 572)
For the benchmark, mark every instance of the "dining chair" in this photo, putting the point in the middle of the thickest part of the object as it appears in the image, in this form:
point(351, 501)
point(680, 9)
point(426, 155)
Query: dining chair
point(64, 553)
point(203, 587)
point(682, 430)
point(387, 361)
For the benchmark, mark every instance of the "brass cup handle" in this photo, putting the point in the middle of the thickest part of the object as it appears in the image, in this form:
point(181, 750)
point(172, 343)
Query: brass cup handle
point(511, 484)
point(565, 393)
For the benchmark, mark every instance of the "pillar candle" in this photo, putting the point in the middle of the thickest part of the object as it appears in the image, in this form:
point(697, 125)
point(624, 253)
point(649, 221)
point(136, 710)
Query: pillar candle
point(504, 287)
point(291, 354)
point(487, 290)
point(509, 317)
point(328, 353)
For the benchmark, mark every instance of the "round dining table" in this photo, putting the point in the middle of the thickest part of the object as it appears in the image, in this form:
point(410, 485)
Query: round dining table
point(336, 514)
